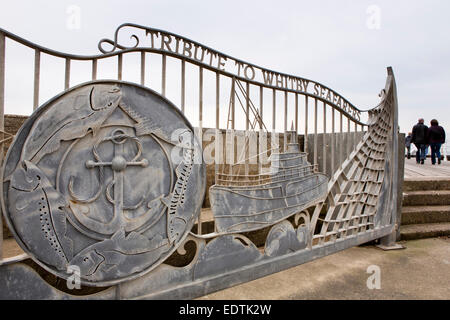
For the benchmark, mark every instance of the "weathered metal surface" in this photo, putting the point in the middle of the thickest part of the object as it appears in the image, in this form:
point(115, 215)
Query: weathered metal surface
point(177, 283)
point(21, 282)
point(100, 156)
point(107, 177)
point(242, 203)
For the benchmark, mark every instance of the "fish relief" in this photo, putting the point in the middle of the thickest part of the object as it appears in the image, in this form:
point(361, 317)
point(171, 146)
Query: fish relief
point(95, 185)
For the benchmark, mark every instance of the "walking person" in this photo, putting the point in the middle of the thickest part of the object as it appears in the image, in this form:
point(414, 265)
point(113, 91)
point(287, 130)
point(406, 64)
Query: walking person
point(419, 138)
point(436, 137)
point(408, 145)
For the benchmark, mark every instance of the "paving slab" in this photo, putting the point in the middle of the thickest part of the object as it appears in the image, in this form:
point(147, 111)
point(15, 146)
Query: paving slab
point(414, 170)
point(421, 271)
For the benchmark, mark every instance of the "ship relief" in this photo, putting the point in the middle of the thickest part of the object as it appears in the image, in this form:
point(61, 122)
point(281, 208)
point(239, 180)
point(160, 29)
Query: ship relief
point(95, 184)
point(292, 186)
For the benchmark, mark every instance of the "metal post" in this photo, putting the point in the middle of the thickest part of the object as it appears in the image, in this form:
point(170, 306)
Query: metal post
point(217, 100)
point(119, 66)
point(333, 141)
point(163, 76)
point(37, 70)
point(305, 148)
point(143, 68)
point(315, 132)
point(247, 124)
point(260, 134)
point(274, 106)
point(296, 113)
point(200, 97)
point(261, 100)
point(94, 69)
point(183, 84)
point(324, 138)
point(200, 124)
point(67, 75)
point(285, 120)
point(217, 144)
point(341, 130)
point(349, 148)
point(233, 102)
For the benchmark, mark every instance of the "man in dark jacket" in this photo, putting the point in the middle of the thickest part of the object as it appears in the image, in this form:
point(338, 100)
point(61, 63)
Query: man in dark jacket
point(419, 138)
point(436, 137)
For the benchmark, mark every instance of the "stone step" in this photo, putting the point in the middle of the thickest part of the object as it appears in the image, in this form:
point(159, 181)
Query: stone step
point(425, 214)
point(426, 183)
point(426, 198)
point(427, 230)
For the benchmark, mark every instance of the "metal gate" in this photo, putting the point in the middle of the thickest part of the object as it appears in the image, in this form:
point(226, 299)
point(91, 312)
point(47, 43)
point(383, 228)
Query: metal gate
point(226, 98)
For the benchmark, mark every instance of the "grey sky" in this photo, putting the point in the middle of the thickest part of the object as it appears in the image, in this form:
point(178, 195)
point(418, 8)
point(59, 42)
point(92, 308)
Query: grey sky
point(326, 41)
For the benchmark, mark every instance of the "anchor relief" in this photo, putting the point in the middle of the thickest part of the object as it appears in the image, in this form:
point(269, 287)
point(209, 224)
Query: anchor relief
point(95, 184)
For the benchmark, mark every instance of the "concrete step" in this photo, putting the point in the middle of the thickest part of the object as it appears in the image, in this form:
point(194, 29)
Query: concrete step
point(426, 183)
point(425, 214)
point(427, 230)
point(426, 198)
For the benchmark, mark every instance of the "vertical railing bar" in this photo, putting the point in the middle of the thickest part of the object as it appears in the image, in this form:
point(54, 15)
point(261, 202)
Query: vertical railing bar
point(217, 100)
point(285, 120)
point(233, 105)
point(143, 68)
point(218, 137)
point(163, 76)
point(274, 105)
point(247, 106)
point(94, 69)
point(183, 84)
point(349, 147)
point(341, 149)
point(261, 102)
point(233, 108)
point(217, 144)
point(2, 118)
point(305, 140)
point(333, 140)
point(200, 129)
point(200, 96)
point(324, 156)
point(119, 66)
point(247, 125)
point(296, 113)
point(67, 74)
point(37, 71)
point(315, 132)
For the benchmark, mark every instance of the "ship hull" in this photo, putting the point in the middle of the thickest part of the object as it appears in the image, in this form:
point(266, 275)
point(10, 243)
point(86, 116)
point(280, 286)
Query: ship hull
point(242, 209)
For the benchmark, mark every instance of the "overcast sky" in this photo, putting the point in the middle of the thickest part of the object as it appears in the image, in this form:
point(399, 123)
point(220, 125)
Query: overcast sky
point(345, 45)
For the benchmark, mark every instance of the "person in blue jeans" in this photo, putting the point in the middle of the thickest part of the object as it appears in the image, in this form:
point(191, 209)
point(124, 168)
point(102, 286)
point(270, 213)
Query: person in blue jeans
point(419, 138)
point(436, 137)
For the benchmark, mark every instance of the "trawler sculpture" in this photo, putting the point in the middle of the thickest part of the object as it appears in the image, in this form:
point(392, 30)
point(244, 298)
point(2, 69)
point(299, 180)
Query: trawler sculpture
point(90, 181)
point(242, 203)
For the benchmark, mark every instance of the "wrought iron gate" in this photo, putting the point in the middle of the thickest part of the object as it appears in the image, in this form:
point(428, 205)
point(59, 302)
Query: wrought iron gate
point(357, 150)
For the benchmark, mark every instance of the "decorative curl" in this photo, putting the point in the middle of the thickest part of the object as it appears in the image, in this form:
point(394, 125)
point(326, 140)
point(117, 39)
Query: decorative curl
point(115, 44)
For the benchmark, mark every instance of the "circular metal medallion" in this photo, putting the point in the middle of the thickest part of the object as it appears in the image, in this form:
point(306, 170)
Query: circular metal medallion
point(106, 178)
